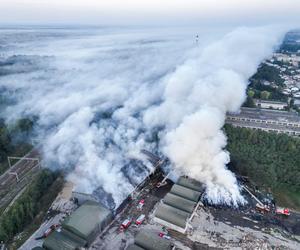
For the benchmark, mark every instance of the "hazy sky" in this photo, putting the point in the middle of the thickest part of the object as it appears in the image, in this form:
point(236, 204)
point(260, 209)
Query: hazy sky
point(140, 12)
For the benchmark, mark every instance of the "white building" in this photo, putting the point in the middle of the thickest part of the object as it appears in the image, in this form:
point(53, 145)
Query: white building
point(270, 104)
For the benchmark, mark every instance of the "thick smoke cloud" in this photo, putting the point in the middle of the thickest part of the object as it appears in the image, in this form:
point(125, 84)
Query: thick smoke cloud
point(102, 95)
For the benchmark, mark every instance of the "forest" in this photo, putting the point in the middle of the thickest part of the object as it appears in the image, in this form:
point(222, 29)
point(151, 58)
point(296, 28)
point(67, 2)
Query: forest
point(28, 205)
point(270, 160)
point(14, 140)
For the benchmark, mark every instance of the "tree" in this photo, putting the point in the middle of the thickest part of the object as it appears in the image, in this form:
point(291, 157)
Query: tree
point(268, 159)
point(265, 95)
point(249, 102)
point(251, 93)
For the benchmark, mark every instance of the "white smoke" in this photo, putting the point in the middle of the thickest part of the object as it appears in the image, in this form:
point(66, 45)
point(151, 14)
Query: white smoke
point(101, 95)
point(196, 98)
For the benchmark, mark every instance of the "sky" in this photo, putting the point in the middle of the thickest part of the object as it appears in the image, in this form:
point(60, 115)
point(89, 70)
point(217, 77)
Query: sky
point(149, 12)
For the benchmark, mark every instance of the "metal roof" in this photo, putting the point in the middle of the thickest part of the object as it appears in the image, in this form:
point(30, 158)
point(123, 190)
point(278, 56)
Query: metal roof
point(151, 241)
point(267, 114)
point(179, 202)
point(172, 215)
point(190, 183)
point(185, 193)
point(63, 240)
point(134, 247)
point(86, 219)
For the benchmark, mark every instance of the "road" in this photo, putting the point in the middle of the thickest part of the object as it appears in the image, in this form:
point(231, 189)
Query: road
point(32, 242)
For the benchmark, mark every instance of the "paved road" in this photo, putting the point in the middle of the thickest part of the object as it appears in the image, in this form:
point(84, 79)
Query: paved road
point(32, 242)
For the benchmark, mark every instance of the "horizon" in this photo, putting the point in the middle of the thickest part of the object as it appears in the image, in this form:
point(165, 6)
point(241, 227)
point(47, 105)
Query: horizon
point(149, 13)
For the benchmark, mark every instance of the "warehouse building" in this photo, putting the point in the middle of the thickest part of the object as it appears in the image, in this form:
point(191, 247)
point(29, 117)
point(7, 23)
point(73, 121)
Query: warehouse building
point(80, 228)
point(179, 204)
point(185, 193)
point(149, 240)
point(266, 104)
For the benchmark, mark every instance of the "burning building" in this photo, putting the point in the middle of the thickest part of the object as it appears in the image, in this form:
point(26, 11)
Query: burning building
point(179, 204)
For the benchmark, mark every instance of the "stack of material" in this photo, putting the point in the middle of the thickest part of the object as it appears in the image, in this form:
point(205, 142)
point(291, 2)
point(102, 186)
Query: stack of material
point(179, 204)
point(148, 240)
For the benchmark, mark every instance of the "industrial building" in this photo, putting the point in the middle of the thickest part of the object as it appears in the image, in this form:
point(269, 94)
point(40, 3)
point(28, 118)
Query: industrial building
point(80, 228)
point(267, 120)
point(149, 240)
point(179, 204)
point(266, 104)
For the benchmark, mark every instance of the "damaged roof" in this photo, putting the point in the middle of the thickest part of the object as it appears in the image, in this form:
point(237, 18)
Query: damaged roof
point(191, 184)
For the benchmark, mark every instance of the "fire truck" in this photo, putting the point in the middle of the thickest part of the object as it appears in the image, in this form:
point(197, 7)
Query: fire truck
point(282, 211)
point(262, 208)
point(125, 224)
point(141, 204)
point(140, 219)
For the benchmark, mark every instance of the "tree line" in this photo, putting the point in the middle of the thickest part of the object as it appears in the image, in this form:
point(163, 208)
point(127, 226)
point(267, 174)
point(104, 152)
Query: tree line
point(269, 159)
point(26, 207)
point(14, 139)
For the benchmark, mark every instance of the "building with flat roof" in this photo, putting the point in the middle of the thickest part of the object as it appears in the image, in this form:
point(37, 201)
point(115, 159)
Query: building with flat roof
point(266, 104)
point(80, 228)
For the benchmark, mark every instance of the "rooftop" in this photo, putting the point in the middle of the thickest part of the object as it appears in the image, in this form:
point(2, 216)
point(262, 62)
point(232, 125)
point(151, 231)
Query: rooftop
point(179, 202)
point(150, 240)
point(63, 240)
point(190, 183)
point(86, 218)
point(185, 192)
point(267, 114)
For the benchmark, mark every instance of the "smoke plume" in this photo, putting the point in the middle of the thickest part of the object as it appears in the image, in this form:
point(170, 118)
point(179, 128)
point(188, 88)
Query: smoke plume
point(102, 95)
